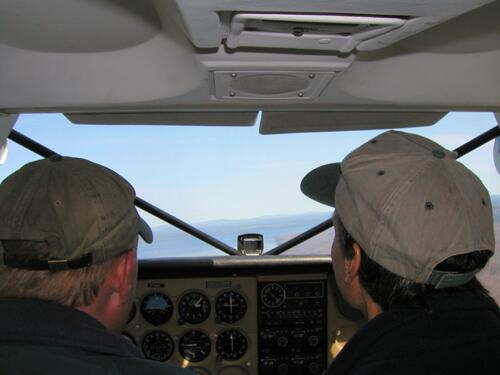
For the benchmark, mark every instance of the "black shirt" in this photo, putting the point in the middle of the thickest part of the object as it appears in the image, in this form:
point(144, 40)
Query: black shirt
point(451, 335)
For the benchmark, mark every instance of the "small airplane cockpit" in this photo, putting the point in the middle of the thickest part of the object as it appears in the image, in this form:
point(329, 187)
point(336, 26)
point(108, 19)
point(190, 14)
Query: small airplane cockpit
point(214, 111)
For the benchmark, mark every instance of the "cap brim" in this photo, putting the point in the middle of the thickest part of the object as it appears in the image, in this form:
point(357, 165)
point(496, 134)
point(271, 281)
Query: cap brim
point(320, 183)
point(145, 231)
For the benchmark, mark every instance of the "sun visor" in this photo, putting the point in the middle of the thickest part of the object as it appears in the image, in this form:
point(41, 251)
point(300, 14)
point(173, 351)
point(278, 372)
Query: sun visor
point(301, 122)
point(166, 118)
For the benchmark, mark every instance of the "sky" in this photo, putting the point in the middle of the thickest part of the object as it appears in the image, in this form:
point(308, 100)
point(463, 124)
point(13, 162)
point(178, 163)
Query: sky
point(213, 173)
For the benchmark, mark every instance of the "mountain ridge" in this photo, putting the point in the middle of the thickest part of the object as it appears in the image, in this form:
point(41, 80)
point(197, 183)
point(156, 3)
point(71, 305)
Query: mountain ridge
point(249, 225)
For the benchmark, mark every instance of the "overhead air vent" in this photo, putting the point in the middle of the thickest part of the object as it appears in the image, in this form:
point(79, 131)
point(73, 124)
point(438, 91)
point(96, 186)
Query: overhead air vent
point(269, 84)
point(307, 31)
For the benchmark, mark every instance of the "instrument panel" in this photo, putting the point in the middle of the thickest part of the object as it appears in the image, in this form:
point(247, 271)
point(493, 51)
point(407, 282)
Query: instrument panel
point(239, 316)
point(292, 326)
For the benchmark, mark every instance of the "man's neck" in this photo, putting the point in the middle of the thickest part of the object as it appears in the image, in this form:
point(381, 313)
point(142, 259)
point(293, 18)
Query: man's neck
point(372, 309)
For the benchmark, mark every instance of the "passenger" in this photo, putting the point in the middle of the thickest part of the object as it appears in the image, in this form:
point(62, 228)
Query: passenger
point(68, 248)
point(412, 229)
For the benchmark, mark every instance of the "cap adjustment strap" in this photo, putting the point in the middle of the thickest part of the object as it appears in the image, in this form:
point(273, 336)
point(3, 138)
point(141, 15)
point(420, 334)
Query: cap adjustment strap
point(442, 279)
point(58, 265)
point(52, 265)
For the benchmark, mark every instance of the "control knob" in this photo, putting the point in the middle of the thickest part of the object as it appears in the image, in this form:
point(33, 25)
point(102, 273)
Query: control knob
point(313, 340)
point(282, 368)
point(282, 341)
point(313, 368)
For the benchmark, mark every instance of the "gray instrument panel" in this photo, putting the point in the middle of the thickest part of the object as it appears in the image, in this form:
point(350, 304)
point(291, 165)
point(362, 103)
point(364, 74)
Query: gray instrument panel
point(239, 323)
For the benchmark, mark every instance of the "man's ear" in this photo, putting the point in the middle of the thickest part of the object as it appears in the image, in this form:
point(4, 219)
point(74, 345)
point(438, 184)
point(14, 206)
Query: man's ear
point(351, 266)
point(120, 270)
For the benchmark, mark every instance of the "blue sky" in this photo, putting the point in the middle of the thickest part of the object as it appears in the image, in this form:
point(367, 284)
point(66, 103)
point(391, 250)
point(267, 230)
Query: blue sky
point(207, 173)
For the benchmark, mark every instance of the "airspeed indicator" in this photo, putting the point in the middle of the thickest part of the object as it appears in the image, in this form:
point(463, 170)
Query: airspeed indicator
point(194, 308)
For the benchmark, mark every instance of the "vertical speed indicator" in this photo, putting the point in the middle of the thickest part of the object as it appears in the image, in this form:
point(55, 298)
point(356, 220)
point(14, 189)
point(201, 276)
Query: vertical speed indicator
point(231, 345)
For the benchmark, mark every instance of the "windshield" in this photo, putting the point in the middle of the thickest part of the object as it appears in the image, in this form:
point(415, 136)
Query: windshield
point(228, 181)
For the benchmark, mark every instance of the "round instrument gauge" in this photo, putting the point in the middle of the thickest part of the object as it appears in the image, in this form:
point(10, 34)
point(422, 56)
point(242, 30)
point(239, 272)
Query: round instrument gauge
point(158, 346)
point(272, 295)
point(230, 306)
point(156, 308)
point(231, 345)
point(195, 346)
point(194, 308)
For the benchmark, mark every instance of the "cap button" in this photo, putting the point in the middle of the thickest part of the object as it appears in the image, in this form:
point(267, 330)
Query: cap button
point(55, 158)
point(440, 154)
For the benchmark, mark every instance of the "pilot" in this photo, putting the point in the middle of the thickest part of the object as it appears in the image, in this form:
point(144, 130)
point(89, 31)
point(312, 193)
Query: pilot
point(413, 227)
point(68, 270)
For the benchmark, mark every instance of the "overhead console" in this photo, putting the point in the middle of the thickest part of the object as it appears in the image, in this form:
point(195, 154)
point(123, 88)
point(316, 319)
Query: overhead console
point(314, 25)
point(327, 32)
point(234, 315)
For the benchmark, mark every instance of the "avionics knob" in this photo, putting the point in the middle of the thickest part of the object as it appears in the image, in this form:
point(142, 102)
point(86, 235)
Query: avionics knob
point(282, 368)
point(313, 368)
point(313, 340)
point(282, 341)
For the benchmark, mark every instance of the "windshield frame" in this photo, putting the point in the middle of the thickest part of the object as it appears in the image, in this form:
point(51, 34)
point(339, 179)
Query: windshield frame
point(45, 152)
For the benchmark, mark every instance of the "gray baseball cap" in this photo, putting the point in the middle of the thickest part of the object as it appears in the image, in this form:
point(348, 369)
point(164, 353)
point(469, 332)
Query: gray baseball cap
point(84, 211)
point(409, 204)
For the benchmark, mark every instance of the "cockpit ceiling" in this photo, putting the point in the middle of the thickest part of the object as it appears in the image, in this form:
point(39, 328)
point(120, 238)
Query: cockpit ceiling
point(180, 59)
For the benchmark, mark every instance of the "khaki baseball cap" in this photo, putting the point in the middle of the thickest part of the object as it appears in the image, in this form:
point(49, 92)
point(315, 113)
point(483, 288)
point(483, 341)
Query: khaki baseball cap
point(84, 211)
point(409, 204)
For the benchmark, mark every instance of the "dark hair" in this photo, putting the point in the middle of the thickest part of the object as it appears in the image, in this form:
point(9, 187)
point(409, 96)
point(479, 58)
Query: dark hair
point(388, 289)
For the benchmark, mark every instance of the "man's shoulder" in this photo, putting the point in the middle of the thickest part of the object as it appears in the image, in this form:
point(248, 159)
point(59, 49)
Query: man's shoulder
point(136, 365)
point(37, 359)
point(422, 341)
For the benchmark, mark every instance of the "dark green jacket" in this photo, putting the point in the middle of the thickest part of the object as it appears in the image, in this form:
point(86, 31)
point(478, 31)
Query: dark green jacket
point(41, 337)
